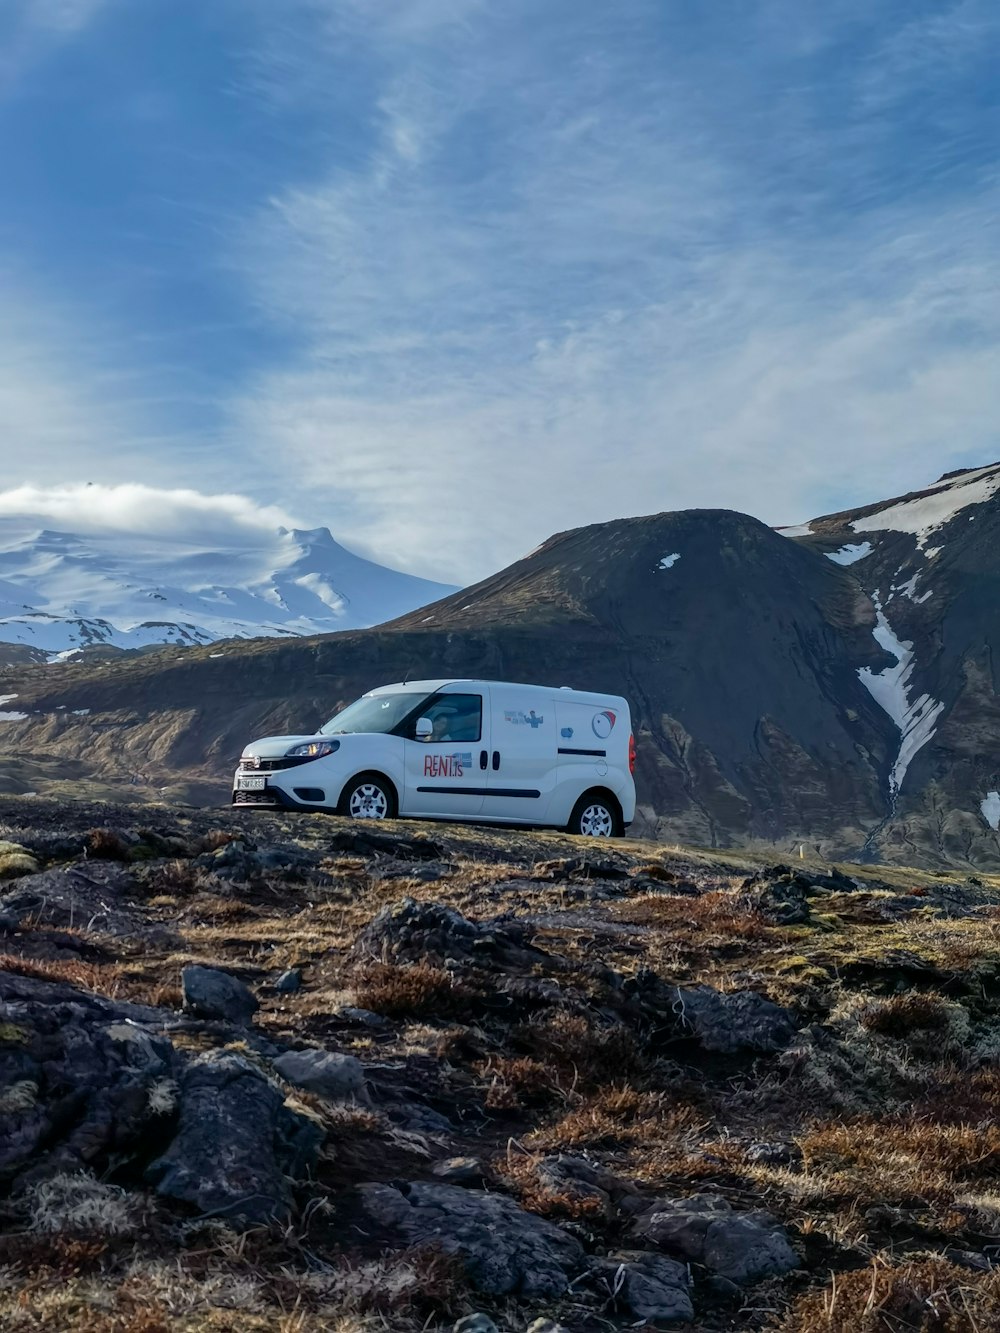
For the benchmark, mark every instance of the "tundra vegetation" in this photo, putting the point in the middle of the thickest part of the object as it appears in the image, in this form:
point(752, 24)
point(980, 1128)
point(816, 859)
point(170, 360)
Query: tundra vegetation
point(296, 1074)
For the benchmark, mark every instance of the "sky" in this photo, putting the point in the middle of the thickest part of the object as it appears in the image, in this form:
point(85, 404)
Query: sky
point(447, 276)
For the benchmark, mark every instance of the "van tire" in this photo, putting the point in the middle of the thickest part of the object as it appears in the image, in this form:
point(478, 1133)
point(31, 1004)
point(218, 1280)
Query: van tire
point(596, 810)
point(369, 796)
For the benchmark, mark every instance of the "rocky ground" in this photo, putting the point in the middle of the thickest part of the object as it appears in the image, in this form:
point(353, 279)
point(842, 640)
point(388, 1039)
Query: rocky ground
point(296, 1074)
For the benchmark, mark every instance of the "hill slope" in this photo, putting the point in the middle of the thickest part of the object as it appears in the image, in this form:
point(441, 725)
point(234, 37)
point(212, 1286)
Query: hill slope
point(831, 684)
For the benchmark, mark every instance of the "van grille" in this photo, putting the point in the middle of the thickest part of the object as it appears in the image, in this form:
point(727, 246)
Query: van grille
point(273, 765)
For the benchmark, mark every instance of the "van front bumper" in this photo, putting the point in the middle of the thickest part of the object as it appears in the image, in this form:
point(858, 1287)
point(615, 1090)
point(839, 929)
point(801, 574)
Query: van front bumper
point(276, 798)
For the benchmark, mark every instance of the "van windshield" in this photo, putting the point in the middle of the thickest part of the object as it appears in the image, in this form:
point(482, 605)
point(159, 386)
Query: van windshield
point(379, 712)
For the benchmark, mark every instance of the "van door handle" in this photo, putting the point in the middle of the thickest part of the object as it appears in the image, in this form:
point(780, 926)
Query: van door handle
point(482, 758)
point(496, 760)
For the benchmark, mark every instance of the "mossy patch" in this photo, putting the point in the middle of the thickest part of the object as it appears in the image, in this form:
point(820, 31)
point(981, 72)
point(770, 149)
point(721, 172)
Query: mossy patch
point(15, 863)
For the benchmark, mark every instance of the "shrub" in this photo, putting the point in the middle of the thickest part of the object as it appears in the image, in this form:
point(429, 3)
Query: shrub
point(589, 1053)
point(415, 991)
point(932, 1296)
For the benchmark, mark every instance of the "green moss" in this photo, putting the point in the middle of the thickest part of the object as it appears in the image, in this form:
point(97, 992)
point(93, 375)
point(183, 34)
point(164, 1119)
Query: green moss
point(12, 1035)
point(13, 864)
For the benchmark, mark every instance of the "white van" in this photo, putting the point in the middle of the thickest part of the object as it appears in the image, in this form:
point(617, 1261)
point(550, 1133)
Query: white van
point(476, 750)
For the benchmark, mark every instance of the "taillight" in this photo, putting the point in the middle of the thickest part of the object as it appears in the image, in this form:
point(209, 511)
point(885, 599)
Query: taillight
point(631, 754)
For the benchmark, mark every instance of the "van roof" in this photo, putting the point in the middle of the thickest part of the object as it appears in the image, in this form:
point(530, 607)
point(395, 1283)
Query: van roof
point(434, 686)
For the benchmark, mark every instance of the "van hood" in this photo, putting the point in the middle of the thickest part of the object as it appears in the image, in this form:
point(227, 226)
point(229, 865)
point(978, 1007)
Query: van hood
point(274, 747)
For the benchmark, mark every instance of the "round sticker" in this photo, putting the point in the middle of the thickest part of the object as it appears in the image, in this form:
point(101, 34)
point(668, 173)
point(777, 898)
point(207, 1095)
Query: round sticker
point(603, 724)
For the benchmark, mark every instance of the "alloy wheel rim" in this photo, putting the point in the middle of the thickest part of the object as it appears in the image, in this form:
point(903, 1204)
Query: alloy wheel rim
point(369, 802)
point(596, 822)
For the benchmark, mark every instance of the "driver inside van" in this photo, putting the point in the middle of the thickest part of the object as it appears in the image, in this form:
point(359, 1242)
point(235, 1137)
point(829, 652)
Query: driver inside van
point(440, 724)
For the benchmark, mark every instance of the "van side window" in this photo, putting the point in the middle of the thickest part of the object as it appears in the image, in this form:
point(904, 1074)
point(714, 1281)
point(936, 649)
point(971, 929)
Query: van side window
point(455, 717)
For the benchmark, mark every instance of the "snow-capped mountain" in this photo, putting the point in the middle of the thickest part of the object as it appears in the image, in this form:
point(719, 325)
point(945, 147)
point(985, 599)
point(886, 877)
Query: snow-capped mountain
point(60, 591)
point(835, 683)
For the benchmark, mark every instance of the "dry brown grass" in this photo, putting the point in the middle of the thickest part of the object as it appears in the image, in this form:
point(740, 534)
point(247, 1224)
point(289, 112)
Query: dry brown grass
point(517, 1083)
point(614, 1118)
point(419, 990)
point(101, 978)
point(717, 913)
point(929, 1296)
point(586, 1053)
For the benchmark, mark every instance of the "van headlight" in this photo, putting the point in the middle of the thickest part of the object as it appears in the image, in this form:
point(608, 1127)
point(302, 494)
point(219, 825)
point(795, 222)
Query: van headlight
point(312, 750)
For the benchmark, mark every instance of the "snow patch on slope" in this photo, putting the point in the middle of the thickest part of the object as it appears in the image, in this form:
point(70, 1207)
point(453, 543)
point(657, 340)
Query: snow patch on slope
point(928, 513)
point(797, 530)
point(890, 688)
point(850, 554)
point(669, 561)
point(991, 809)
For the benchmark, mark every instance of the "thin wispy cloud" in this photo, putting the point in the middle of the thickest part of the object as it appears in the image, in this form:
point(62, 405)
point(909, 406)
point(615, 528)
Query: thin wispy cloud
point(572, 280)
point(449, 276)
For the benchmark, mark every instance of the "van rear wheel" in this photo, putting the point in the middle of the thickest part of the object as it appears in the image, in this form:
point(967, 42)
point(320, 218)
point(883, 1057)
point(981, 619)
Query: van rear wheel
point(368, 796)
point(596, 815)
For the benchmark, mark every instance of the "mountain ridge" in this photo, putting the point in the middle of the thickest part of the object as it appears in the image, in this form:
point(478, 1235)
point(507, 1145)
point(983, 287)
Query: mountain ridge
point(780, 696)
point(63, 592)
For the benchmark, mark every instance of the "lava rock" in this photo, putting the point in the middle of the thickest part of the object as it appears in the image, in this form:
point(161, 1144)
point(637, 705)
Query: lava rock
point(743, 1247)
point(506, 1251)
point(570, 1176)
point(466, 1171)
point(408, 931)
point(734, 1021)
point(209, 993)
point(289, 981)
point(648, 1286)
point(338, 1078)
point(76, 1080)
point(237, 1145)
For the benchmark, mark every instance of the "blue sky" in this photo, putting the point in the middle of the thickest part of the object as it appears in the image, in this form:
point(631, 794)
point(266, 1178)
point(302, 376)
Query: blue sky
point(448, 276)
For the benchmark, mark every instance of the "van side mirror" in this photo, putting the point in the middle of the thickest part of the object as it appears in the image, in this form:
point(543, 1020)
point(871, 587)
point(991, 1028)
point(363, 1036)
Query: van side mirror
point(424, 729)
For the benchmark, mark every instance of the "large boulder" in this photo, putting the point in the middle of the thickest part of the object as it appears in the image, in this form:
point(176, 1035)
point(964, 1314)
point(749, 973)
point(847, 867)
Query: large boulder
point(238, 1146)
point(506, 1251)
point(743, 1247)
point(209, 993)
point(79, 1086)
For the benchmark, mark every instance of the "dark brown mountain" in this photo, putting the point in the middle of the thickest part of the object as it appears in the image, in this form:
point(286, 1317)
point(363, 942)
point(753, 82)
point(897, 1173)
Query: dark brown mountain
point(770, 699)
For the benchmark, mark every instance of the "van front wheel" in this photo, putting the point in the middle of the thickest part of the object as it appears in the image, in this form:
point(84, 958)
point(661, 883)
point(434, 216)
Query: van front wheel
point(369, 796)
point(596, 815)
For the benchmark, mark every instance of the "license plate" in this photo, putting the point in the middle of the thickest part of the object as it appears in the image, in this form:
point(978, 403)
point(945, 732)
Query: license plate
point(251, 784)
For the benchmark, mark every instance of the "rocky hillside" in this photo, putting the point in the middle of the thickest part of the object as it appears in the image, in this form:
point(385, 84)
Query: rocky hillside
point(829, 685)
point(930, 563)
point(293, 1074)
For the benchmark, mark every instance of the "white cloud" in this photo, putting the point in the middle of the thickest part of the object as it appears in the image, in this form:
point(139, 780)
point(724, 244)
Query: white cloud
point(146, 513)
point(606, 319)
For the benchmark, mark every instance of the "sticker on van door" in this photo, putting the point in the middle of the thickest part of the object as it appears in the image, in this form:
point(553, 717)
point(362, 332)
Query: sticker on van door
point(522, 719)
point(604, 724)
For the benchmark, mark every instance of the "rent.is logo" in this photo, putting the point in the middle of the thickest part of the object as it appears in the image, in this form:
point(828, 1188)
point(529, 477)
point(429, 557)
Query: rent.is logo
point(447, 765)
